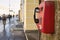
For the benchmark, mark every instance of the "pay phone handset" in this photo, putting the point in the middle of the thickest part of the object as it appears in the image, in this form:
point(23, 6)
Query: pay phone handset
point(36, 11)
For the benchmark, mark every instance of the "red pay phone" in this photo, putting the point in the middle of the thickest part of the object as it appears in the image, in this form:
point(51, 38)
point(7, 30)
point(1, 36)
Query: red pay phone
point(44, 17)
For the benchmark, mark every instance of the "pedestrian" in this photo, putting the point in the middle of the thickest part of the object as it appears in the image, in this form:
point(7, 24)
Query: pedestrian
point(13, 16)
point(0, 18)
point(4, 20)
point(9, 16)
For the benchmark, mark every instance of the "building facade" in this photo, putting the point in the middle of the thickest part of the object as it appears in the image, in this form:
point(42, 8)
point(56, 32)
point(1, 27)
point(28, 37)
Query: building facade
point(29, 7)
point(22, 11)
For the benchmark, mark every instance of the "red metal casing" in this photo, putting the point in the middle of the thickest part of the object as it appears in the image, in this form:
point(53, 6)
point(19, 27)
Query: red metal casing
point(47, 17)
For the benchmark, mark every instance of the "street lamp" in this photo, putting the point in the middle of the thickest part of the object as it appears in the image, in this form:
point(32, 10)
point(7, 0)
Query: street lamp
point(9, 6)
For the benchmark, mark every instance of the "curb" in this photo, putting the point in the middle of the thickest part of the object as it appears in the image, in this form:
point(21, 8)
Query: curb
point(26, 36)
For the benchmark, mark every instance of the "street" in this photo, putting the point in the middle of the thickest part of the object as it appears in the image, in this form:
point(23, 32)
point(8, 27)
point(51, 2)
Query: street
point(7, 34)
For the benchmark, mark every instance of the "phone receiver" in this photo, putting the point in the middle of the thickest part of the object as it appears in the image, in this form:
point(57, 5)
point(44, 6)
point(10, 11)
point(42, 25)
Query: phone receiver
point(37, 10)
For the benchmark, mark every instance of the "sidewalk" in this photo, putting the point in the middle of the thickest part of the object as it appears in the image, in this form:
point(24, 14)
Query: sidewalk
point(17, 32)
point(32, 35)
point(13, 31)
